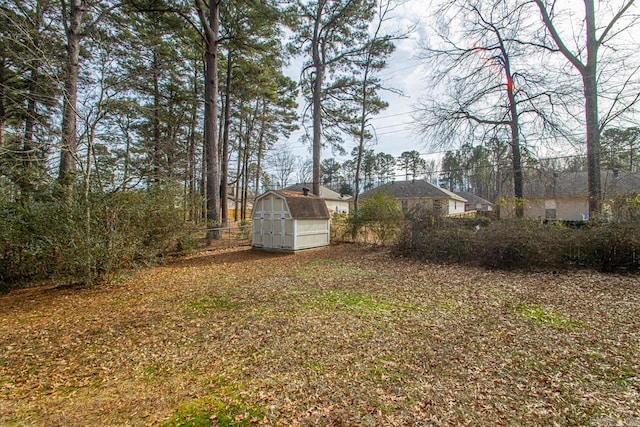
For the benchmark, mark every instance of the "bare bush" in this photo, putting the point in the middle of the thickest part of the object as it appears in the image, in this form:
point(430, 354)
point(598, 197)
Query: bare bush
point(521, 244)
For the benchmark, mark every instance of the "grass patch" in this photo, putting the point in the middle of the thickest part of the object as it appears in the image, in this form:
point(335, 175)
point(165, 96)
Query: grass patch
point(353, 302)
point(156, 371)
point(208, 412)
point(330, 269)
point(539, 314)
point(203, 305)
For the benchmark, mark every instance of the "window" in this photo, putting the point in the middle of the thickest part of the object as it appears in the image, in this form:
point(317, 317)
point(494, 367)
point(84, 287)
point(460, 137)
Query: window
point(549, 209)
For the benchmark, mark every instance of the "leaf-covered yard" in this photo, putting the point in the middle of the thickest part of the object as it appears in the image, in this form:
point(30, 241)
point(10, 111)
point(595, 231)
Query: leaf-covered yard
point(337, 336)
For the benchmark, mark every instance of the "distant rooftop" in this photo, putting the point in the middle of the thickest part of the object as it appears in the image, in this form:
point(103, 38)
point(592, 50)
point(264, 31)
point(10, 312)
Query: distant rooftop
point(415, 189)
point(567, 184)
point(325, 193)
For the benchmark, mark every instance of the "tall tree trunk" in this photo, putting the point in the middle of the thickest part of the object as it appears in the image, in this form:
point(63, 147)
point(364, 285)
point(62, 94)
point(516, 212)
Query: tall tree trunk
point(224, 170)
point(236, 192)
point(73, 22)
point(514, 126)
point(28, 145)
point(590, 83)
point(155, 122)
point(363, 124)
point(319, 68)
point(212, 29)
point(246, 155)
point(30, 120)
point(260, 150)
point(191, 156)
point(3, 95)
point(127, 160)
point(245, 181)
point(515, 152)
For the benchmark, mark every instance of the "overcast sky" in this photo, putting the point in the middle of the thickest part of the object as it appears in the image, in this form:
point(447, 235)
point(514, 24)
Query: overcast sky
point(393, 127)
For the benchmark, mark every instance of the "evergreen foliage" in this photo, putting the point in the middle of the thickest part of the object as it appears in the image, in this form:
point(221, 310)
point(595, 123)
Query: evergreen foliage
point(43, 238)
point(379, 214)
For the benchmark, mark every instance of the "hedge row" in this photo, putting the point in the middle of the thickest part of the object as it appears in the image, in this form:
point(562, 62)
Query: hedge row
point(521, 244)
point(83, 242)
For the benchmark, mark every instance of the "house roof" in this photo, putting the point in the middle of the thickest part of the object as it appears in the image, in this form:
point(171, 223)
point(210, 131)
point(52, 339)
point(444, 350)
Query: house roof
point(472, 199)
point(325, 193)
point(571, 184)
point(419, 189)
point(303, 207)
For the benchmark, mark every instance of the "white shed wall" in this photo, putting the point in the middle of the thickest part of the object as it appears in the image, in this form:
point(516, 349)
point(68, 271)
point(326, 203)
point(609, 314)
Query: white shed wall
point(274, 228)
point(311, 233)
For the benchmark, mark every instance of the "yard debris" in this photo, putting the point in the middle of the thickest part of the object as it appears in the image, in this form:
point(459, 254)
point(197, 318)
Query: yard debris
point(338, 336)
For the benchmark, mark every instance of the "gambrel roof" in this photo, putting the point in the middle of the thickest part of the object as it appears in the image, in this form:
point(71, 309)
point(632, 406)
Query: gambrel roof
point(303, 206)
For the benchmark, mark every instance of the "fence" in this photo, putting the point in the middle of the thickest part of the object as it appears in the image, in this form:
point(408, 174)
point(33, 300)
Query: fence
point(239, 235)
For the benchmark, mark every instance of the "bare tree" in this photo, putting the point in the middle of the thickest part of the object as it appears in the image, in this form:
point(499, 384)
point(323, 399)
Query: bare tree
point(482, 68)
point(585, 59)
point(283, 163)
point(304, 170)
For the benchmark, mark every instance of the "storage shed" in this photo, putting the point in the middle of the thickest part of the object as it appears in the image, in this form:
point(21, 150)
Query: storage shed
point(290, 221)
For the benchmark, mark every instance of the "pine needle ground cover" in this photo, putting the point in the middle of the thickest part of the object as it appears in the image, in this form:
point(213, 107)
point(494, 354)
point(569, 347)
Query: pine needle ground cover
point(337, 336)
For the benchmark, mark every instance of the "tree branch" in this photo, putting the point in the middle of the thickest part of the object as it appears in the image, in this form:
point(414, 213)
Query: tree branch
point(613, 21)
point(557, 39)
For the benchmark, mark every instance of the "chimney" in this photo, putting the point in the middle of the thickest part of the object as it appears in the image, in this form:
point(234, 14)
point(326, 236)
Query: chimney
point(305, 191)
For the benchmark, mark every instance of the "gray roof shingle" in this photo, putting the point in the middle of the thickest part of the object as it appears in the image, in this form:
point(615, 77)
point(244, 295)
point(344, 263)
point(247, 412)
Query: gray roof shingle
point(418, 189)
point(304, 207)
point(325, 193)
point(472, 198)
point(571, 184)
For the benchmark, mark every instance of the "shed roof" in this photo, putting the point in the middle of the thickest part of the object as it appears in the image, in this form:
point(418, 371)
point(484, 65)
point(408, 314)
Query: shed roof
point(418, 189)
point(304, 207)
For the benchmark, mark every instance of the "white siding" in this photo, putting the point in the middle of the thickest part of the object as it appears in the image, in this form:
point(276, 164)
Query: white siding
point(311, 233)
point(274, 228)
point(455, 207)
point(270, 215)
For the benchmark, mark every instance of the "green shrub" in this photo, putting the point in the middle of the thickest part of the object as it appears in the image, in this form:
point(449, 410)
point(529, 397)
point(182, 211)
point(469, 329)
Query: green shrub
point(84, 241)
point(380, 214)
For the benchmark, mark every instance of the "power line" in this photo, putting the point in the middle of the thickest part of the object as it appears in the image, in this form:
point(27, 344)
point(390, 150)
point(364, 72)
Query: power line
point(395, 115)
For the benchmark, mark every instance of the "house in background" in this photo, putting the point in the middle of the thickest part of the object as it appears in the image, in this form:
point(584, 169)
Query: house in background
point(475, 203)
point(336, 203)
point(420, 193)
point(289, 221)
point(565, 196)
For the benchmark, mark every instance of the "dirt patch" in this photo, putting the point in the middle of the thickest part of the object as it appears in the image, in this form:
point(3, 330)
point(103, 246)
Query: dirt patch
point(345, 335)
